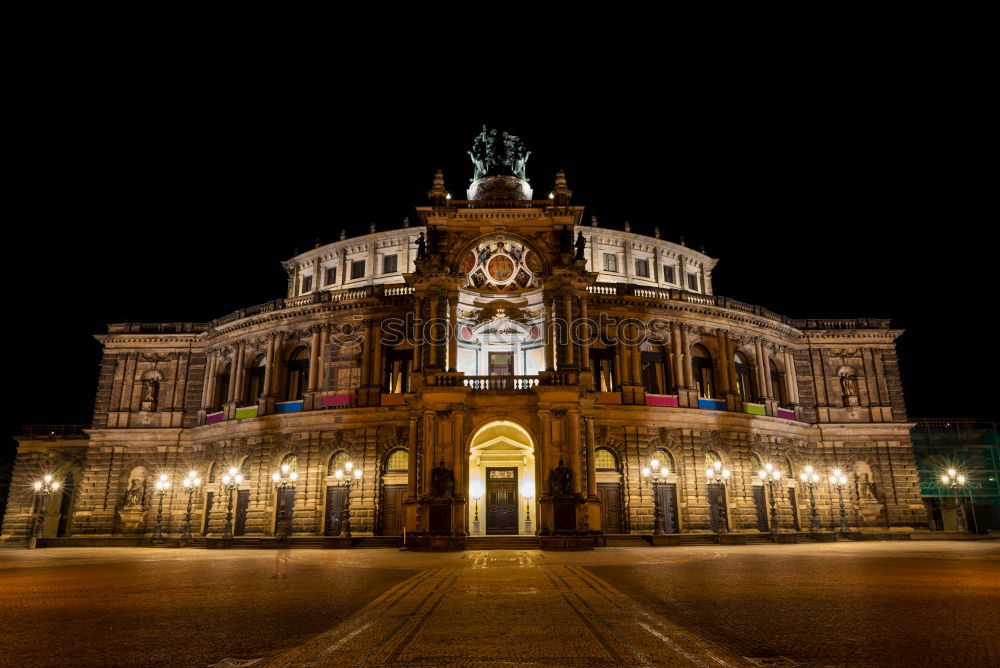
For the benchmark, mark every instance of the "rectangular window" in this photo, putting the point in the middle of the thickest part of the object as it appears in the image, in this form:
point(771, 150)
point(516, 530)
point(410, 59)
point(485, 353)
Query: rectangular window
point(693, 282)
point(331, 275)
point(668, 273)
point(307, 284)
point(610, 262)
point(357, 269)
point(389, 264)
point(642, 268)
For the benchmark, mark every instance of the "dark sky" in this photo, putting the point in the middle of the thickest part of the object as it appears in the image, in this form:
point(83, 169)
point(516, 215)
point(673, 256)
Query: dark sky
point(160, 201)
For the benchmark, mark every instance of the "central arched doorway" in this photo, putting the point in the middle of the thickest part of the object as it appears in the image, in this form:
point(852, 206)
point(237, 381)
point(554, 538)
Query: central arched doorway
point(502, 478)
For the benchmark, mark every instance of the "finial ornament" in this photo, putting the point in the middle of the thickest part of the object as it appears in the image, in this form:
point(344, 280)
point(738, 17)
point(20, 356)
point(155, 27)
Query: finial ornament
point(317, 243)
point(682, 242)
point(371, 228)
point(593, 221)
point(656, 232)
point(343, 235)
point(628, 228)
point(561, 193)
point(437, 194)
point(406, 222)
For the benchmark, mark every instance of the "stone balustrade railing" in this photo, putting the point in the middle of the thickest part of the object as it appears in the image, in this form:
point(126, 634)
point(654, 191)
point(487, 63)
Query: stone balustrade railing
point(500, 382)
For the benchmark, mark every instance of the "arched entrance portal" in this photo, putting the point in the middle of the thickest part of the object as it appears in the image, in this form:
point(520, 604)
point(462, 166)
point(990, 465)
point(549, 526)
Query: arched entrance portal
point(502, 477)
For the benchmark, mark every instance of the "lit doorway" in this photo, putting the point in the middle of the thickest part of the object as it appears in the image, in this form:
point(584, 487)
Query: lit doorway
point(502, 478)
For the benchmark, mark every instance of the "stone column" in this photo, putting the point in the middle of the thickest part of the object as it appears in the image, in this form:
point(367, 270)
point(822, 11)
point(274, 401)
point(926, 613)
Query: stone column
point(459, 465)
point(366, 355)
point(688, 362)
point(435, 345)
point(791, 379)
point(550, 364)
point(635, 352)
point(724, 363)
point(591, 463)
point(208, 386)
point(411, 471)
point(324, 341)
point(585, 343)
point(313, 360)
point(377, 351)
point(568, 315)
point(676, 356)
point(268, 367)
point(231, 390)
point(279, 342)
point(418, 334)
point(544, 517)
point(765, 371)
point(573, 424)
point(453, 333)
point(240, 360)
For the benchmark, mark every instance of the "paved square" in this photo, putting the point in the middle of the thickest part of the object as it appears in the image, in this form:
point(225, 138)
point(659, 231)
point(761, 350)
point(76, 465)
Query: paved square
point(843, 604)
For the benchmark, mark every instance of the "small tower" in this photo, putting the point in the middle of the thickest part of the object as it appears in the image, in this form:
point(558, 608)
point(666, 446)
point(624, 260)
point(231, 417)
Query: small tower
point(561, 194)
point(437, 194)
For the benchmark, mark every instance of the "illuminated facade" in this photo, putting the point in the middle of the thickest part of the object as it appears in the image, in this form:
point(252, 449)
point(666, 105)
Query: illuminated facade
point(504, 367)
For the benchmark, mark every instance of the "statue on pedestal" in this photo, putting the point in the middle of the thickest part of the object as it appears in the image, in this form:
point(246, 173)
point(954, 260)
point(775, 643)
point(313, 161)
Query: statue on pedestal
point(134, 495)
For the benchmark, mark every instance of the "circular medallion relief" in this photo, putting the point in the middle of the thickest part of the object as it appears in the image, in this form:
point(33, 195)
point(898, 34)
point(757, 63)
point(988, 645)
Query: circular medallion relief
point(501, 268)
point(468, 262)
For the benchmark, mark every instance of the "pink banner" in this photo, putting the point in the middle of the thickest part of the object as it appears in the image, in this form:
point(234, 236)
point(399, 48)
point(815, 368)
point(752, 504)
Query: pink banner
point(213, 418)
point(786, 414)
point(661, 400)
point(331, 400)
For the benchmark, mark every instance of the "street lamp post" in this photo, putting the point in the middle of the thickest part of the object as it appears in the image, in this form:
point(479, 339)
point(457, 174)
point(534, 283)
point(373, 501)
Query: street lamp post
point(720, 476)
point(230, 482)
point(810, 479)
point(162, 485)
point(839, 481)
point(346, 477)
point(43, 488)
point(956, 480)
point(654, 474)
point(283, 480)
point(192, 483)
point(771, 475)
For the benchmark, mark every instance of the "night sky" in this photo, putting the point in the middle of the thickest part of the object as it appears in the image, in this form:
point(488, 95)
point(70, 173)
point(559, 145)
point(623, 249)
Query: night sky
point(160, 203)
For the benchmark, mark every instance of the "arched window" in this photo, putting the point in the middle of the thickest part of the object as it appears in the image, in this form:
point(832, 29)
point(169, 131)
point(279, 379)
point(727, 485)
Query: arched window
point(398, 369)
point(605, 460)
point(778, 385)
point(602, 361)
point(291, 461)
point(221, 388)
point(755, 464)
point(665, 458)
point(245, 469)
point(398, 461)
point(744, 378)
point(255, 381)
point(298, 373)
point(337, 461)
point(703, 371)
point(211, 473)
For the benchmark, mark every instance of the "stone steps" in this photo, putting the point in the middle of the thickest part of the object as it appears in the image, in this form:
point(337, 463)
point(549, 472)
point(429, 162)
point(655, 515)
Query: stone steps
point(501, 543)
point(372, 542)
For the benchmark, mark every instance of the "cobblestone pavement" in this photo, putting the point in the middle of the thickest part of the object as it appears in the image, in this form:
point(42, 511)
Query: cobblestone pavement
point(844, 604)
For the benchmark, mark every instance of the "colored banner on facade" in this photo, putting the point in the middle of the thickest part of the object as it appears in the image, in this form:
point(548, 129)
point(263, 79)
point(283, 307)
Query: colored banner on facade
point(661, 400)
point(288, 407)
point(334, 400)
point(754, 409)
point(247, 412)
point(215, 418)
point(712, 404)
point(786, 414)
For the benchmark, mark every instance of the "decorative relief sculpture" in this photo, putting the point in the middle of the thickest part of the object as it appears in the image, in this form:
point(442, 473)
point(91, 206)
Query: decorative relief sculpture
point(849, 387)
point(134, 495)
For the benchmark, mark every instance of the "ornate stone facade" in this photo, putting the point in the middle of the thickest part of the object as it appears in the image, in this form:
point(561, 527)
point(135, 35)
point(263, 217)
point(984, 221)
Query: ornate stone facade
point(500, 340)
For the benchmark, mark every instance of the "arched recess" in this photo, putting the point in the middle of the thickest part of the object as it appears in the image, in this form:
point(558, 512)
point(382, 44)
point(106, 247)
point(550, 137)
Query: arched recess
point(745, 376)
point(221, 393)
point(704, 371)
point(297, 374)
point(395, 468)
point(502, 477)
point(335, 496)
point(254, 382)
point(717, 495)
point(655, 368)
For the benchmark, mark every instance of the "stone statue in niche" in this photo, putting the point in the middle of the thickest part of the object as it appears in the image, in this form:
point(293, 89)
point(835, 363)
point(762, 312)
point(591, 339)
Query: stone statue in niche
point(442, 482)
point(561, 481)
point(866, 488)
point(134, 494)
point(150, 392)
point(849, 388)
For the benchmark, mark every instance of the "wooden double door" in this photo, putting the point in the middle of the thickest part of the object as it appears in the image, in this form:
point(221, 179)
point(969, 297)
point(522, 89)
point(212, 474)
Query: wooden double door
point(610, 494)
point(393, 514)
point(336, 499)
point(501, 501)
